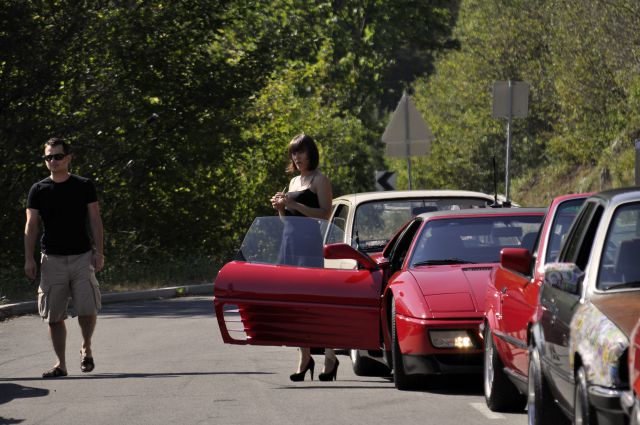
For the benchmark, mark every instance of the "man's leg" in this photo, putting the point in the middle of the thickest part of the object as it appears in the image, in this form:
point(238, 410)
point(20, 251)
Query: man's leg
point(87, 326)
point(86, 300)
point(58, 332)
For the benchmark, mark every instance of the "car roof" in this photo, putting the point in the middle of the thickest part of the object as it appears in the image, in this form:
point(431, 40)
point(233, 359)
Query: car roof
point(483, 212)
point(358, 198)
point(616, 196)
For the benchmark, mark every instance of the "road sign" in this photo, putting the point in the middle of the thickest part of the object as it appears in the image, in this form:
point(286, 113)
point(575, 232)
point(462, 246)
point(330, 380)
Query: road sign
point(385, 180)
point(407, 133)
point(510, 98)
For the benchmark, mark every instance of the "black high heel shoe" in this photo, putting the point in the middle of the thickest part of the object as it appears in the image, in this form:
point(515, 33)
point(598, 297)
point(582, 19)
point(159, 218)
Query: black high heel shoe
point(297, 377)
point(332, 375)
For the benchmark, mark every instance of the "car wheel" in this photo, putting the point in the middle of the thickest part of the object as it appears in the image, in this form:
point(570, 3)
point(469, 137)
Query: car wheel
point(583, 413)
point(364, 366)
point(401, 380)
point(541, 407)
point(499, 392)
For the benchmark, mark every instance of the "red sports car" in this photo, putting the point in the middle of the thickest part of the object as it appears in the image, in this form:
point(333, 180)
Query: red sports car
point(421, 302)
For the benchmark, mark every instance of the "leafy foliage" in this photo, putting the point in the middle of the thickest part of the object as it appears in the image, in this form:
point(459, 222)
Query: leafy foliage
point(582, 103)
point(180, 112)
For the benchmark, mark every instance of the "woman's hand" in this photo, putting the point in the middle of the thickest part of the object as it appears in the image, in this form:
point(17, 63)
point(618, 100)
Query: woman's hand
point(278, 201)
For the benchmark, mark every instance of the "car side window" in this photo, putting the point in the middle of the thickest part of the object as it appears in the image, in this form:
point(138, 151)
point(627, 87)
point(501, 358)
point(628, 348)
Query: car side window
point(619, 267)
point(339, 224)
point(566, 213)
point(581, 237)
point(399, 252)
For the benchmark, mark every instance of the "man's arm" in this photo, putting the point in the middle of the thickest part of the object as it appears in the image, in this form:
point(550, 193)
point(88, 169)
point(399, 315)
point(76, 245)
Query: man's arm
point(97, 232)
point(31, 230)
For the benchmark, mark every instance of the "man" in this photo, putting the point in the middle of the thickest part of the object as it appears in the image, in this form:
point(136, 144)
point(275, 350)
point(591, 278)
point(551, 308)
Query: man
point(63, 202)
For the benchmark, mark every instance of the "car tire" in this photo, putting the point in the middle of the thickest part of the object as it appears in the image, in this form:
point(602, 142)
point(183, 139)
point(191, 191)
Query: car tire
point(401, 380)
point(541, 407)
point(364, 366)
point(500, 393)
point(583, 413)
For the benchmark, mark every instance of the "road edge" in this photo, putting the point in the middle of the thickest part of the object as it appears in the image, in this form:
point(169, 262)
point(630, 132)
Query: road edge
point(31, 307)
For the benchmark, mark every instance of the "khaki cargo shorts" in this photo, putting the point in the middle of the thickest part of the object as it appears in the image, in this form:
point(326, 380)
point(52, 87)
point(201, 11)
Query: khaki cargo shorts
point(64, 276)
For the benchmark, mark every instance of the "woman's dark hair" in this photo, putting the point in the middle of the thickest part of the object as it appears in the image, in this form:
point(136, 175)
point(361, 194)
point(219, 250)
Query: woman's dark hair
point(57, 141)
point(303, 143)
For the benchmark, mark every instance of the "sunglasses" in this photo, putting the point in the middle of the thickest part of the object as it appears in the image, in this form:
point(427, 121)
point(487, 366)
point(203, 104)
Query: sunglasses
point(56, 156)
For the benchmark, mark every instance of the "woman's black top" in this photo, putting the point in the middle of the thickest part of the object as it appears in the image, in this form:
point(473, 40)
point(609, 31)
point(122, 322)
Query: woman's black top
point(301, 237)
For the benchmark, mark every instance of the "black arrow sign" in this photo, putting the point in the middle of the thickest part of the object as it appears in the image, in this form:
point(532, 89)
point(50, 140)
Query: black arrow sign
point(382, 179)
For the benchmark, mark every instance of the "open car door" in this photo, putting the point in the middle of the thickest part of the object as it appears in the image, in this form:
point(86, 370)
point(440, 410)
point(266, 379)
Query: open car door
point(271, 295)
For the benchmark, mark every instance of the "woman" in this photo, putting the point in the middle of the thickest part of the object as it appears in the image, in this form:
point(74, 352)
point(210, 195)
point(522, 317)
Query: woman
point(309, 195)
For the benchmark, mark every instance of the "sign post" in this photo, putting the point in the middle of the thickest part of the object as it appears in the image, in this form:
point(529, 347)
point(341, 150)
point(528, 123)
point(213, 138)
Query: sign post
point(637, 143)
point(510, 100)
point(407, 133)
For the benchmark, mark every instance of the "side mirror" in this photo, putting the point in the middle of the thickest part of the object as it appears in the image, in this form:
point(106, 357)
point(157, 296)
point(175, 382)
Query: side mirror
point(340, 251)
point(516, 259)
point(565, 276)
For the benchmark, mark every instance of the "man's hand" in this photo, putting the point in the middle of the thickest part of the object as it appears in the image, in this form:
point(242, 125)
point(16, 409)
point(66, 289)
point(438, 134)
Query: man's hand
point(98, 261)
point(30, 268)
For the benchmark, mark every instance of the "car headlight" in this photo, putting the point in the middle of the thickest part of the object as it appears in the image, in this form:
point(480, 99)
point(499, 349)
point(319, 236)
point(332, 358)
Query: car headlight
point(452, 339)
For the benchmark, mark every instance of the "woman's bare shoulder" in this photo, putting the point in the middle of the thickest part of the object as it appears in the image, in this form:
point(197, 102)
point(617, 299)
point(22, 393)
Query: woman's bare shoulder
point(322, 178)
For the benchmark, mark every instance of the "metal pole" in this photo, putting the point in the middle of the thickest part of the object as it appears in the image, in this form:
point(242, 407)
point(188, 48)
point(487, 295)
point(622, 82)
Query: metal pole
point(637, 162)
point(506, 173)
point(408, 138)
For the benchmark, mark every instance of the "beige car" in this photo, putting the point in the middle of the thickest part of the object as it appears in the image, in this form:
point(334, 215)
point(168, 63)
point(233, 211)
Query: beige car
point(367, 221)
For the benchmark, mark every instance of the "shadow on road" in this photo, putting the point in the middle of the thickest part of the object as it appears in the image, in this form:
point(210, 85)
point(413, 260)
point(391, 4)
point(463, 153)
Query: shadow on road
point(464, 385)
point(176, 307)
point(10, 392)
point(129, 376)
point(7, 421)
point(452, 384)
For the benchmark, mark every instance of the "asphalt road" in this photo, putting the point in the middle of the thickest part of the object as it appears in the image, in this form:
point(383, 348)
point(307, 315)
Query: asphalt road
point(163, 362)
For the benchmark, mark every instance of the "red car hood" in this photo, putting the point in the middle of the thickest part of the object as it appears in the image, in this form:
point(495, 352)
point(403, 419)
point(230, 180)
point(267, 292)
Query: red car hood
point(454, 289)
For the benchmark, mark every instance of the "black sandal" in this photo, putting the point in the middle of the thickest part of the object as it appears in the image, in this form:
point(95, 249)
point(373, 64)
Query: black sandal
point(55, 372)
point(87, 365)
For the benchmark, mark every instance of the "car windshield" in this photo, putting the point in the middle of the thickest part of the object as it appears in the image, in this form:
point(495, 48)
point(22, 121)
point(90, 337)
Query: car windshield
point(293, 241)
point(377, 221)
point(461, 240)
point(619, 265)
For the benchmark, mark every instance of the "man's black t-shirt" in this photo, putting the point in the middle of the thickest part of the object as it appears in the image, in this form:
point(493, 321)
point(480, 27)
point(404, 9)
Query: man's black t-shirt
point(63, 209)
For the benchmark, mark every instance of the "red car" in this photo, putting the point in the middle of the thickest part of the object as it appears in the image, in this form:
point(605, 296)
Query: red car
point(511, 299)
point(421, 302)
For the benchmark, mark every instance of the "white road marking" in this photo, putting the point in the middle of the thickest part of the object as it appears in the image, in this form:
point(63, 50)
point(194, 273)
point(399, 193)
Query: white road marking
point(482, 408)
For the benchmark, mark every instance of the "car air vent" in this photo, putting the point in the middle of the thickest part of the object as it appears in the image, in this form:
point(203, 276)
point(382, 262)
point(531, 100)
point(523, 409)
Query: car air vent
point(476, 269)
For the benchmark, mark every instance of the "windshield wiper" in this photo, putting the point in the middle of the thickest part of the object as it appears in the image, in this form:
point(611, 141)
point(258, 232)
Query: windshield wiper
point(442, 262)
